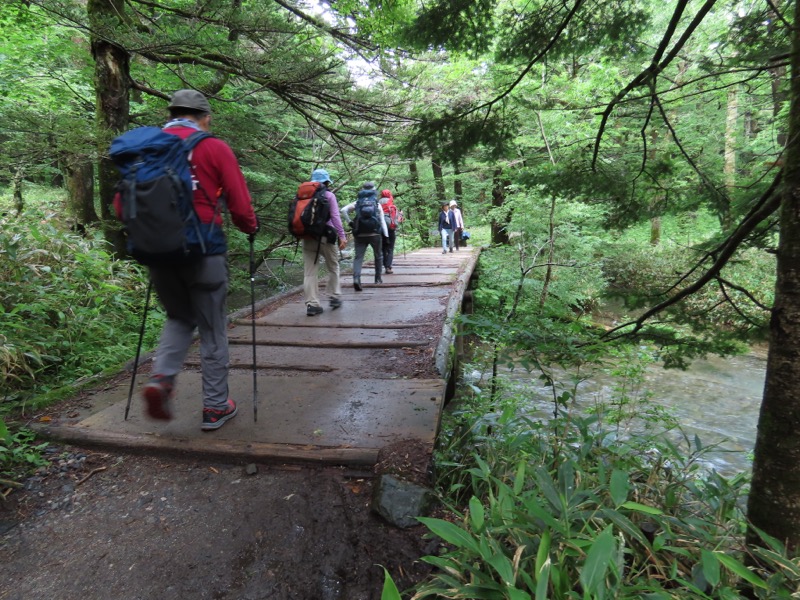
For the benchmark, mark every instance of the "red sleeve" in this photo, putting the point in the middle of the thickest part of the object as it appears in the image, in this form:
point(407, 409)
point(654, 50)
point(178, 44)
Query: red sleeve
point(219, 172)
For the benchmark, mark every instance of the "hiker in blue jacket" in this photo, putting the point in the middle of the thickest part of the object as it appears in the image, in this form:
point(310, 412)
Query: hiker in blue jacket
point(447, 227)
point(368, 229)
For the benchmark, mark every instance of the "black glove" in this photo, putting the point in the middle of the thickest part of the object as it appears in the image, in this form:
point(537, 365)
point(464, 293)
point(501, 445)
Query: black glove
point(252, 235)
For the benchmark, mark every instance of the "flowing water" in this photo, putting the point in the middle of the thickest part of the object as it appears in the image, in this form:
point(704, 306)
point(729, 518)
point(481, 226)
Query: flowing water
point(716, 399)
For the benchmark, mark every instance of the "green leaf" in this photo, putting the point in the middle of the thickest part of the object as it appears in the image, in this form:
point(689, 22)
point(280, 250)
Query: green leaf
point(650, 510)
point(502, 565)
point(542, 580)
point(519, 479)
point(515, 594)
point(390, 591)
point(3, 430)
point(476, 514)
point(619, 487)
point(593, 573)
point(543, 553)
point(739, 569)
point(450, 533)
point(710, 564)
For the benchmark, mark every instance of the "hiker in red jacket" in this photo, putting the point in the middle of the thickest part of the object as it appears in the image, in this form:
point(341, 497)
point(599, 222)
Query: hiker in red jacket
point(393, 218)
point(194, 295)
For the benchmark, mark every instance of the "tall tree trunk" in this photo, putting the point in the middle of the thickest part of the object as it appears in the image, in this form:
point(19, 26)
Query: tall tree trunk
point(655, 231)
point(774, 501)
point(499, 230)
point(458, 187)
point(16, 186)
point(112, 92)
point(416, 215)
point(729, 166)
point(551, 253)
point(80, 190)
point(438, 179)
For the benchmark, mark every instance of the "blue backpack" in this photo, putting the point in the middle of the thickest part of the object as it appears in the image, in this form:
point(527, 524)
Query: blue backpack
point(156, 193)
point(367, 219)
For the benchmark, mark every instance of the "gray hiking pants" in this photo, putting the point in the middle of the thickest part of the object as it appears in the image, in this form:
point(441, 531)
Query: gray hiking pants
point(195, 295)
point(361, 243)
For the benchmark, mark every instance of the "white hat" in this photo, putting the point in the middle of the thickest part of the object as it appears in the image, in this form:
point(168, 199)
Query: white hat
point(453, 203)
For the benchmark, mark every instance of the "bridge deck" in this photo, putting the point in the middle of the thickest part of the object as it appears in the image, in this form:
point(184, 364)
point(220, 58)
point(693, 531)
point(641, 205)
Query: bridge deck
point(334, 388)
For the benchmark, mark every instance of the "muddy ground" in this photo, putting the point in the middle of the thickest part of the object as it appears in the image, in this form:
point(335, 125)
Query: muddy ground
point(98, 525)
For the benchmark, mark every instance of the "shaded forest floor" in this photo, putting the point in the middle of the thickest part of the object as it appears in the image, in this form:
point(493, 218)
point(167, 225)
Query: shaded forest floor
point(98, 525)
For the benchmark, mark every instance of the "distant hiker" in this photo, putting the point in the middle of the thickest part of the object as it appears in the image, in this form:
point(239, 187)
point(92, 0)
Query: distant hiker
point(446, 227)
point(327, 246)
point(393, 217)
point(194, 290)
point(458, 222)
point(368, 227)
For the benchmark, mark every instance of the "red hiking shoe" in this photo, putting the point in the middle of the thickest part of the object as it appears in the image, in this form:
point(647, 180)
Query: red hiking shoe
point(214, 419)
point(157, 394)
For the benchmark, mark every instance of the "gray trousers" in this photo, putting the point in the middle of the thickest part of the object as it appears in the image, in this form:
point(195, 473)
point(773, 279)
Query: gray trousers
point(195, 296)
point(361, 243)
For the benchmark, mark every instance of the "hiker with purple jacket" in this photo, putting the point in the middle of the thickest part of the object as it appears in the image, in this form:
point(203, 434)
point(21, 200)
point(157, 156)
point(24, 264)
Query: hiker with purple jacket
point(328, 249)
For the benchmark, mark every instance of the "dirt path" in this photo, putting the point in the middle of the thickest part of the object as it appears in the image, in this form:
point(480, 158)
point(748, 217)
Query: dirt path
point(145, 528)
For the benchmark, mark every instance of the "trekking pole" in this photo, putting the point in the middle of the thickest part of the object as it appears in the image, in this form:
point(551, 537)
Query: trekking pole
point(139, 347)
point(253, 320)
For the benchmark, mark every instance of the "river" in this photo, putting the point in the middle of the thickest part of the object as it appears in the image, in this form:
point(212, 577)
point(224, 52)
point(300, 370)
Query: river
point(716, 399)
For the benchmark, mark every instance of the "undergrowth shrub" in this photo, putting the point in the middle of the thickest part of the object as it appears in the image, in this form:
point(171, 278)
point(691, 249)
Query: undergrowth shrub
point(567, 508)
point(612, 503)
point(67, 310)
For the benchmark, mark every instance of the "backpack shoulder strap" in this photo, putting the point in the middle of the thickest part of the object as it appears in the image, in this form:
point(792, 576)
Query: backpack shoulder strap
point(191, 141)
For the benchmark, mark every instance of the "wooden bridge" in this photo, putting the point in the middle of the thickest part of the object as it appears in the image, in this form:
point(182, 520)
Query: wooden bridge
point(334, 388)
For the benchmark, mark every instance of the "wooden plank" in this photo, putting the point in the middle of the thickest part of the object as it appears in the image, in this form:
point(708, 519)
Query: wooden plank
point(216, 448)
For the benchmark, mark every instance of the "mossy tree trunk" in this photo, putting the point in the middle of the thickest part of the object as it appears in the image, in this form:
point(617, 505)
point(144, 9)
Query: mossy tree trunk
point(79, 172)
point(499, 229)
point(112, 93)
point(774, 501)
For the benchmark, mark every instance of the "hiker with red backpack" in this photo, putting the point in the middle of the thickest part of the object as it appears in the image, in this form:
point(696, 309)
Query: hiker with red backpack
point(393, 218)
point(322, 243)
point(190, 276)
point(369, 227)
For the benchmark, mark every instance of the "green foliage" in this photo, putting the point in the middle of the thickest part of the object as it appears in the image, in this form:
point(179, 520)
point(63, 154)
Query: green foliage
point(733, 307)
point(67, 309)
point(19, 454)
point(567, 509)
point(463, 25)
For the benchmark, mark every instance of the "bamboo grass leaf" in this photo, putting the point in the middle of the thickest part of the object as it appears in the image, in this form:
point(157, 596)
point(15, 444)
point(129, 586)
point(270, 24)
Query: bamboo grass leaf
point(450, 533)
point(502, 566)
point(542, 580)
point(547, 487)
point(476, 514)
point(626, 526)
point(619, 487)
point(390, 591)
point(594, 569)
point(734, 566)
point(519, 479)
point(543, 553)
point(710, 564)
point(650, 510)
